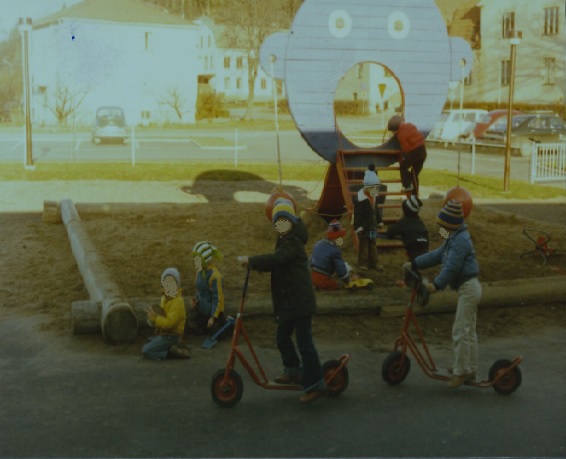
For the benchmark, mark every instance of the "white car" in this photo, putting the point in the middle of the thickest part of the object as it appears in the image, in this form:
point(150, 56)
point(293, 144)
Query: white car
point(452, 123)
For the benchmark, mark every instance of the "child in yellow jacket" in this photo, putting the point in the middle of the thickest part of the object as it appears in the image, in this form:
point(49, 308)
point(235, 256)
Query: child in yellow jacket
point(170, 327)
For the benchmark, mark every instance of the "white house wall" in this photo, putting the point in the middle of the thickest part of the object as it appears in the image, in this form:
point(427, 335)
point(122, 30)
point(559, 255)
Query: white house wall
point(132, 66)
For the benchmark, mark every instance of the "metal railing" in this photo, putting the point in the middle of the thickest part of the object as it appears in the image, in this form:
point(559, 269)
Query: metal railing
point(548, 162)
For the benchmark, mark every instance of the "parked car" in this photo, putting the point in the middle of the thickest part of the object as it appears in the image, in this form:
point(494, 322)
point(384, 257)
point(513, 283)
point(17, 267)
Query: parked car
point(447, 128)
point(488, 119)
point(109, 125)
point(526, 129)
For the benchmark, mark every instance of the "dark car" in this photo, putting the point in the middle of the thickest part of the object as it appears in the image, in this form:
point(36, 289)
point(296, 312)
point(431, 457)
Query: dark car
point(109, 125)
point(526, 129)
point(488, 119)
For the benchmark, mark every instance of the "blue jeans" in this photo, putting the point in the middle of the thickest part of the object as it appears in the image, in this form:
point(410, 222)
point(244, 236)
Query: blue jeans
point(158, 346)
point(312, 371)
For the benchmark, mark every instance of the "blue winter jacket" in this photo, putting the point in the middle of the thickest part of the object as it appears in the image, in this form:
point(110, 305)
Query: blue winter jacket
point(458, 259)
point(327, 259)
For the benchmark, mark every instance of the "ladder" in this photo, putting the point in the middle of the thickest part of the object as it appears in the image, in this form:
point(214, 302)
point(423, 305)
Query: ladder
point(344, 179)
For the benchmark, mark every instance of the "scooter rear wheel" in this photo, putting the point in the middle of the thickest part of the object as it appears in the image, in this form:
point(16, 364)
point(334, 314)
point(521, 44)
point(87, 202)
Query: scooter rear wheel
point(339, 382)
point(226, 394)
point(395, 368)
point(510, 382)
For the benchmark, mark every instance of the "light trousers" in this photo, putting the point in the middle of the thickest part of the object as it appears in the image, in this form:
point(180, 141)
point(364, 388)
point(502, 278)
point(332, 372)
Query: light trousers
point(464, 336)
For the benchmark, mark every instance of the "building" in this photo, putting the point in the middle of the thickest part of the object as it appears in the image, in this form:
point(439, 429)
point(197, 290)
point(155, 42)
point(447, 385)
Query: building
point(127, 53)
point(230, 75)
point(540, 76)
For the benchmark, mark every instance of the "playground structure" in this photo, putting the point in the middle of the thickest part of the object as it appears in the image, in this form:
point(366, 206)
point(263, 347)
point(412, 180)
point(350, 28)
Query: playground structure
point(328, 38)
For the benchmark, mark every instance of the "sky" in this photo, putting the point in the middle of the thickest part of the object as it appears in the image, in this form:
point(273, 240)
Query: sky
point(12, 10)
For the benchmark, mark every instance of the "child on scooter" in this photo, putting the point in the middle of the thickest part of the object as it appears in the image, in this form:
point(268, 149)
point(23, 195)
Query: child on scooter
point(460, 271)
point(294, 301)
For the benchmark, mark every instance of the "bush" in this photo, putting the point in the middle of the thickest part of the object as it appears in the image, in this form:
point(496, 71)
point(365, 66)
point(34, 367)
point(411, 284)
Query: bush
point(211, 105)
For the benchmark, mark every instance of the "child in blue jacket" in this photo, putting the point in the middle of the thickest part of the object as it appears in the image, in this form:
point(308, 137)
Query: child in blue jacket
point(208, 303)
point(326, 259)
point(460, 271)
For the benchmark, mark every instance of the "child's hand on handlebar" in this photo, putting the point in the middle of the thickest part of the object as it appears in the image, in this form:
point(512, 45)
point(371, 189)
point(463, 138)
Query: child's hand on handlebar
point(243, 260)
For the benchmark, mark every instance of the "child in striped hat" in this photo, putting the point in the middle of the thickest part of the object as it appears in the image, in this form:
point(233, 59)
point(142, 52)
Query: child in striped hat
point(208, 303)
point(459, 271)
point(326, 259)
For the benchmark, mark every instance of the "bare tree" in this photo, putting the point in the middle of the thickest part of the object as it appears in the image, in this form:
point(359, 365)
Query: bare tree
point(248, 23)
point(174, 99)
point(66, 103)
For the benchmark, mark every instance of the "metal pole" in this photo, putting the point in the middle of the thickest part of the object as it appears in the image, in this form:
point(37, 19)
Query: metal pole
point(133, 141)
point(274, 83)
point(507, 170)
point(25, 27)
point(236, 148)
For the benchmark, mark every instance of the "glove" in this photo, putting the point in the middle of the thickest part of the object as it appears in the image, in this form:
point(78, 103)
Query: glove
point(360, 229)
point(407, 266)
point(431, 287)
point(243, 260)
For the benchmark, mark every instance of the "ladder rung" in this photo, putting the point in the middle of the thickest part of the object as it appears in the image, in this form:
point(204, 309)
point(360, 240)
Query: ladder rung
point(370, 152)
point(360, 181)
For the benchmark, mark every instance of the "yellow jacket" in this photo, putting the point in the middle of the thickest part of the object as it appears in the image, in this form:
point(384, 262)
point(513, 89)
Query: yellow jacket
point(174, 321)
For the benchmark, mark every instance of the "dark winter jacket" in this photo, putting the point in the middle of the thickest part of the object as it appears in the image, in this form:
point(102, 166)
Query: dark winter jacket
point(364, 214)
point(292, 291)
point(458, 259)
point(413, 233)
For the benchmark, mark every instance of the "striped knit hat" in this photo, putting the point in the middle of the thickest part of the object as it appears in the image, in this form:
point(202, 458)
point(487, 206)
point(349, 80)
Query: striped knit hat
point(451, 217)
point(283, 208)
point(412, 205)
point(371, 178)
point(207, 252)
point(335, 230)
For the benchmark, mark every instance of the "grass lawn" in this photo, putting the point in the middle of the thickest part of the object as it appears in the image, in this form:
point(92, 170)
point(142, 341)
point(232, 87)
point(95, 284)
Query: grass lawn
point(478, 186)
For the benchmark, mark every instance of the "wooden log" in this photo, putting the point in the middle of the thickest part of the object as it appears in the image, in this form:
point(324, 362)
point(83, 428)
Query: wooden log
point(117, 319)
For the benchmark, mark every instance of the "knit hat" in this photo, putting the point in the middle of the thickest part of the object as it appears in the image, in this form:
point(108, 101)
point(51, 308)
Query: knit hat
point(335, 230)
point(451, 217)
point(207, 252)
point(172, 272)
point(412, 205)
point(371, 179)
point(283, 208)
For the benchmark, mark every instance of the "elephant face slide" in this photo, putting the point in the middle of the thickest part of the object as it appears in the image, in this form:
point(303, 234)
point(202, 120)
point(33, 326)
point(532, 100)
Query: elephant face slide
point(329, 37)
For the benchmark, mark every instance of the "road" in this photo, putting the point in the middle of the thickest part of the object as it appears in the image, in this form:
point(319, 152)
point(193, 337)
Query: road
point(73, 396)
point(245, 146)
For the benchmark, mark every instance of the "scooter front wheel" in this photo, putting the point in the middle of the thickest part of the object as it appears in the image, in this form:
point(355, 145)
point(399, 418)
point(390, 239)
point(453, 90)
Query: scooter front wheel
point(226, 393)
point(395, 368)
point(336, 381)
point(511, 379)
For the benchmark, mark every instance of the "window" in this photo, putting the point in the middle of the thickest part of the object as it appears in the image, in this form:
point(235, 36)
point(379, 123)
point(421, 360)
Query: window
point(240, 63)
point(201, 42)
point(206, 62)
point(238, 83)
point(145, 115)
point(551, 21)
point(549, 70)
point(263, 83)
point(508, 24)
point(147, 37)
point(468, 79)
point(505, 72)
point(226, 62)
point(209, 41)
point(227, 83)
point(360, 71)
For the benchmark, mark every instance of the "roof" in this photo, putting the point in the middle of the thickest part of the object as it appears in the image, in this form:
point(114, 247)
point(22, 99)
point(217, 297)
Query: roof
point(124, 11)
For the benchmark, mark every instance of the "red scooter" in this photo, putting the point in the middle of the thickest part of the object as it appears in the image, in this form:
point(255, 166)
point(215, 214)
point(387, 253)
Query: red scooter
point(227, 386)
point(504, 375)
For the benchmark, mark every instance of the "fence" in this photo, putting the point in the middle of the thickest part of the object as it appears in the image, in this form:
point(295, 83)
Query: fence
point(548, 162)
